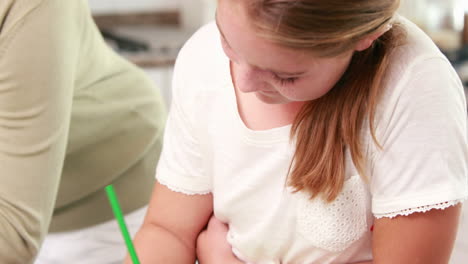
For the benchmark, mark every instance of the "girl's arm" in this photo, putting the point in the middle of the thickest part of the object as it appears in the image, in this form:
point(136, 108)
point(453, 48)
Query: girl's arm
point(171, 226)
point(417, 238)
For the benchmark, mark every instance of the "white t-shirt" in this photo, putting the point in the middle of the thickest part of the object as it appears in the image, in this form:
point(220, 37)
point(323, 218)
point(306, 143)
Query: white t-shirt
point(421, 126)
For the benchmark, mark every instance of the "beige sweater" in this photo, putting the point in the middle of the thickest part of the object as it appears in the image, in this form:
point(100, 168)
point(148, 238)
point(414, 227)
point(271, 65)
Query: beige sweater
point(74, 117)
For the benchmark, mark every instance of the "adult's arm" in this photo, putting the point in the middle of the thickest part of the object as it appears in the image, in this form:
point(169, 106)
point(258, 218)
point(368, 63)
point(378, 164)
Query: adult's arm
point(38, 43)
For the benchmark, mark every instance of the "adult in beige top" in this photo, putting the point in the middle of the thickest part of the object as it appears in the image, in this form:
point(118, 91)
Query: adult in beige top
point(74, 117)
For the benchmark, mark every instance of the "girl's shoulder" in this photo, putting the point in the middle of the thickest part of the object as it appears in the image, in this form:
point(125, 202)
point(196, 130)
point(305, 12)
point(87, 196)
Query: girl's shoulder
point(202, 56)
point(414, 60)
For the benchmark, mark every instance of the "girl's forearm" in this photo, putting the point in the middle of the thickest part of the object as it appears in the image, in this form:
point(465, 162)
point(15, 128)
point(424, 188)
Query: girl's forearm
point(157, 245)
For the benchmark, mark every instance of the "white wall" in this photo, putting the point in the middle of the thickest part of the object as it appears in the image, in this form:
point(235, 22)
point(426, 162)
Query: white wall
point(162, 78)
point(195, 13)
point(120, 6)
point(429, 14)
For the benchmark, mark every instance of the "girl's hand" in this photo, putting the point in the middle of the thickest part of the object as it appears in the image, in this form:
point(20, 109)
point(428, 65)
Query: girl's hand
point(212, 245)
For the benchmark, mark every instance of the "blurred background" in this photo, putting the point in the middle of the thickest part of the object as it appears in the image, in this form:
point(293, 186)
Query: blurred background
point(150, 33)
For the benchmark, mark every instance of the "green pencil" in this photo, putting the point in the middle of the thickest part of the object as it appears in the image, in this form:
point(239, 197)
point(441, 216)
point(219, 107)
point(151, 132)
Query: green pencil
point(120, 219)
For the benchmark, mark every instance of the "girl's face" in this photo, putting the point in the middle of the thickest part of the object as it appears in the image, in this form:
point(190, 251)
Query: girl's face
point(277, 75)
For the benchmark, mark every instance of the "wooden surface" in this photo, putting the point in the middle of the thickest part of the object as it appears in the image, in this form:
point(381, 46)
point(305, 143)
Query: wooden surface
point(141, 18)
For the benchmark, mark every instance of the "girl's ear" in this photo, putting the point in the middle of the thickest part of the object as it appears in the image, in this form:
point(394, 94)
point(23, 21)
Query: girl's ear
point(366, 42)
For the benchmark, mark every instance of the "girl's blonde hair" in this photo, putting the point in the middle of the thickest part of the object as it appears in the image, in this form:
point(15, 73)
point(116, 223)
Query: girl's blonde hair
point(326, 127)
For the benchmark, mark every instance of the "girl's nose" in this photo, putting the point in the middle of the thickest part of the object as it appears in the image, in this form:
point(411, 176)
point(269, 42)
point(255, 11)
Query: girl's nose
point(249, 78)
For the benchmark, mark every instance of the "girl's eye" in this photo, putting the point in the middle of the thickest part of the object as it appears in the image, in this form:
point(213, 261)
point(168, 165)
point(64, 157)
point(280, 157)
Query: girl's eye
point(284, 81)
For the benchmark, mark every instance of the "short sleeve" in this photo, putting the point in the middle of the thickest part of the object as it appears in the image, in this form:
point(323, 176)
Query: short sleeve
point(181, 166)
point(423, 161)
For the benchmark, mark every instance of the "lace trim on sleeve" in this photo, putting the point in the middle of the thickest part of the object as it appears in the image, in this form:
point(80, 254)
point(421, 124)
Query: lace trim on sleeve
point(181, 190)
point(421, 209)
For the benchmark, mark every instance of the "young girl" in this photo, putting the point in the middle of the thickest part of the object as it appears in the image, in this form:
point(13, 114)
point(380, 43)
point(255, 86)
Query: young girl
point(319, 131)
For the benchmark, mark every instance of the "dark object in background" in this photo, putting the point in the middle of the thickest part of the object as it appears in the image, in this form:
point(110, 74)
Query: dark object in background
point(461, 55)
point(124, 44)
point(457, 56)
point(459, 59)
point(464, 50)
point(462, 60)
point(465, 31)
